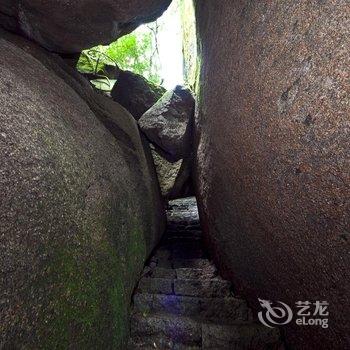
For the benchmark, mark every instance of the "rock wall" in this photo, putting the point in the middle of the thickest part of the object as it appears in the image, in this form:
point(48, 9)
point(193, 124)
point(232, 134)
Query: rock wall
point(80, 207)
point(71, 26)
point(273, 153)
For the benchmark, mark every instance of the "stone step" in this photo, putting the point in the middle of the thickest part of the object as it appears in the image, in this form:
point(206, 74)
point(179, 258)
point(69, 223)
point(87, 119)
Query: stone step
point(184, 234)
point(156, 286)
point(239, 337)
point(159, 343)
point(181, 330)
point(162, 258)
point(191, 263)
point(189, 273)
point(222, 310)
point(160, 272)
point(178, 226)
point(195, 288)
point(164, 331)
point(202, 288)
point(192, 273)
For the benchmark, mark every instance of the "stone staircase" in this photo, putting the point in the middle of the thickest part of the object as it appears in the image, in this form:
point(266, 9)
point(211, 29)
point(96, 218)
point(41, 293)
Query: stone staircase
point(182, 303)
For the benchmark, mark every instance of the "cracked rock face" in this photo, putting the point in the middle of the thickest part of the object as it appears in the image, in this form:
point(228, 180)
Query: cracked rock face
point(273, 153)
point(67, 26)
point(168, 124)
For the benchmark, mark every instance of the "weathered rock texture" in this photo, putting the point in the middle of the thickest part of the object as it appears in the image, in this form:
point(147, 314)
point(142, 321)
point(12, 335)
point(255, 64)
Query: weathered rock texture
point(71, 26)
point(273, 153)
point(168, 124)
point(175, 179)
point(136, 93)
point(79, 207)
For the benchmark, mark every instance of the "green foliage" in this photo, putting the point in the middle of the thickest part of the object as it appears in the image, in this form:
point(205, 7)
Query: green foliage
point(136, 52)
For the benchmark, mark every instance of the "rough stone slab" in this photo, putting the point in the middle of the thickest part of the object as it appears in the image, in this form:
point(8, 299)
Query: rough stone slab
point(155, 285)
point(162, 272)
point(239, 337)
point(159, 343)
point(224, 310)
point(170, 304)
point(202, 288)
point(196, 273)
point(177, 329)
point(191, 263)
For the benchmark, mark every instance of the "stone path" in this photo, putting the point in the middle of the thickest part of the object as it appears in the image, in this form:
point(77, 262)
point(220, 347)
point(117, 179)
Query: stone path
point(182, 303)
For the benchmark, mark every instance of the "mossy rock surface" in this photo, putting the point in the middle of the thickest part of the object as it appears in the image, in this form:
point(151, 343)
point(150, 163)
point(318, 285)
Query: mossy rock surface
point(80, 208)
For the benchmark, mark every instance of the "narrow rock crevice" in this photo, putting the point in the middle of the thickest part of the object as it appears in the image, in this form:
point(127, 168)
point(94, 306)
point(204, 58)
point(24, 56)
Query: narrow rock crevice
point(181, 302)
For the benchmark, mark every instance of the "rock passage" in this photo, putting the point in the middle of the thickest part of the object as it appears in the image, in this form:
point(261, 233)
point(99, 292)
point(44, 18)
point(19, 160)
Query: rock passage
point(182, 303)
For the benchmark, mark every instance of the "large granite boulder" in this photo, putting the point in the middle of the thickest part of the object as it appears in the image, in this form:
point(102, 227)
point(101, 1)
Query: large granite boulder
point(273, 154)
point(168, 124)
point(71, 26)
point(135, 93)
point(80, 207)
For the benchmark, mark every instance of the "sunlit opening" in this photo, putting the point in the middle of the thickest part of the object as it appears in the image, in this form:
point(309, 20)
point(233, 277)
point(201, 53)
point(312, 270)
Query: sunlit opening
point(160, 51)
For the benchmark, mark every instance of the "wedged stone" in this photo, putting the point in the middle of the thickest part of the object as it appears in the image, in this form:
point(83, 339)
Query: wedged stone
point(224, 310)
point(239, 337)
point(135, 93)
point(175, 328)
point(202, 288)
point(174, 177)
point(168, 124)
point(71, 26)
point(155, 285)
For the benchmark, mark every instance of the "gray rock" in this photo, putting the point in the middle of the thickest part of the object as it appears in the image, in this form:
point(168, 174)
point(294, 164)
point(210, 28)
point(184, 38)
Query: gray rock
point(168, 124)
point(78, 206)
point(135, 93)
point(71, 26)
